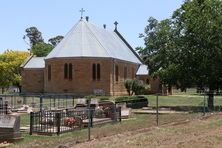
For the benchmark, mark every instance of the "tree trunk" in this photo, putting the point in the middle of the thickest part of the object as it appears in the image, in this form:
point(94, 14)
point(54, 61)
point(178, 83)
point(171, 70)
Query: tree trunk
point(20, 89)
point(210, 101)
point(3, 90)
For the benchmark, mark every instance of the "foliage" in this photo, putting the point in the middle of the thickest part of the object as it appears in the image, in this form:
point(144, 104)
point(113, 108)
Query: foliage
point(134, 86)
point(41, 49)
point(127, 98)
point(38, 47)
point(55, 40)
point(10, 62)
point(34, 35)
point(128, 85)
point(138, 87)
point(186, 49)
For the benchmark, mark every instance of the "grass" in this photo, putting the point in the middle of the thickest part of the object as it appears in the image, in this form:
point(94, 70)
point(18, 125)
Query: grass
point(25, 120)
point(135, 123)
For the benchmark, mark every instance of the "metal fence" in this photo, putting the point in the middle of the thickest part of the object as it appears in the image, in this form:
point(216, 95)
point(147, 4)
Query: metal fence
point(3, 108)
point(57, 122)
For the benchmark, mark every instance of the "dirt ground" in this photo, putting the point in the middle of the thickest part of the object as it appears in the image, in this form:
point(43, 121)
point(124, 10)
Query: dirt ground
point(203, 132)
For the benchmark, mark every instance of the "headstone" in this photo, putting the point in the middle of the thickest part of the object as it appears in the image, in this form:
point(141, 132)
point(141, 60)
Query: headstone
point(94, 101)
point(81, 101)
point(9, 128)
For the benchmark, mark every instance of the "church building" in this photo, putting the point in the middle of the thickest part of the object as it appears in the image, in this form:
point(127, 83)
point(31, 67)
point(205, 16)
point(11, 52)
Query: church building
point(89, 60)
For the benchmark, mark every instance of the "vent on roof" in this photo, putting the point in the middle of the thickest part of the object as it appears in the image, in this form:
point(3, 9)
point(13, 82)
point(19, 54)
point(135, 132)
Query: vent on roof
point(87, 18)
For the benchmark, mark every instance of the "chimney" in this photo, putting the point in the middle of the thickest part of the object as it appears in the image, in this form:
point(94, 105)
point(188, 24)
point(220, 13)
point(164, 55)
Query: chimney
point(104, 26)
point(87, 18)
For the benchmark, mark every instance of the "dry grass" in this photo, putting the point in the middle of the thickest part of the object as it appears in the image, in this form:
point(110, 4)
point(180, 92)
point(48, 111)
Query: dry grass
point(202, 132)
point(137, 124)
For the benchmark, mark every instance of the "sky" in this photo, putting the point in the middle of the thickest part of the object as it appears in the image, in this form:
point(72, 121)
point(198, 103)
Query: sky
point(57, 17)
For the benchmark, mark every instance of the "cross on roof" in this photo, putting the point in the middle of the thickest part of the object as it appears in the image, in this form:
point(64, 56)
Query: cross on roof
point(82, 11)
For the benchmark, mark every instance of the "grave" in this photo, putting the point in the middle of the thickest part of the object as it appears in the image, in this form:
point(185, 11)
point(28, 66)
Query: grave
point(9, 128)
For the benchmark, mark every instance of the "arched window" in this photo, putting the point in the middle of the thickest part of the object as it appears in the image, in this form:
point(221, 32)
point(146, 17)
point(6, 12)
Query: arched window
point(49, 72)
point(147, 81)
point(65, 71)
point(133, 73)
point(125, 72)
point(117, 73)
point(98, 71)
point(70, 71)
point(94, 71)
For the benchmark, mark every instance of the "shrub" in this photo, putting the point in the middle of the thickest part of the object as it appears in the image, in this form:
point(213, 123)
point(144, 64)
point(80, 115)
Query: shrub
point(135, 86)
point(128, 85)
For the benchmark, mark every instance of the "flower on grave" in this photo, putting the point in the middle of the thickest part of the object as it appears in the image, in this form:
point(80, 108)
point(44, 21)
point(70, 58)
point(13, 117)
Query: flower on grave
point(69, 121)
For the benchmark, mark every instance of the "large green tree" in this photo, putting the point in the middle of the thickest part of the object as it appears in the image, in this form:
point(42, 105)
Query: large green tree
point(55, 40)
point(10, 62)
point(34, 35)
point(186, 50)
point(41, 49)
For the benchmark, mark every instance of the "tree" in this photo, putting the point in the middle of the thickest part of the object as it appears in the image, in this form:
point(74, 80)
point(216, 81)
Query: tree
point(128, 85)
point(34, 35)
point(10, 62)
point(134, 86)
point(186, 50)
point(41, 49)
point(55, 40)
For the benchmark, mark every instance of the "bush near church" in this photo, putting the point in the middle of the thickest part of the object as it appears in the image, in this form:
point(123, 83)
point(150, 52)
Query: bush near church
point(135, 86)
point(133, 101)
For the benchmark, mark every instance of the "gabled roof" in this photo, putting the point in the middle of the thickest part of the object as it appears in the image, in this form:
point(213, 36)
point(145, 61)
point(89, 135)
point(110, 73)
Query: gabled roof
point(143, 70)
point(34, 62)
point(88, 40)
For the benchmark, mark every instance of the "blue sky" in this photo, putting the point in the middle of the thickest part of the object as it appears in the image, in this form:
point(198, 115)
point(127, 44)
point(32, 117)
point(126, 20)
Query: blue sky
point(56, 17)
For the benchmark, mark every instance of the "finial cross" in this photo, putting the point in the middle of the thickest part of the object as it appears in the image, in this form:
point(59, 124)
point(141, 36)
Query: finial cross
point(82, 11)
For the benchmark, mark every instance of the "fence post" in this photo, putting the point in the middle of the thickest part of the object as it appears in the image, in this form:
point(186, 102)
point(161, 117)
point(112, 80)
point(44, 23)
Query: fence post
point(204, 105)
point(24, 100)
point(73, 101)
point(41, 103)
point(6, 108)
point(58, 122)
point(120, 118)
point(157, 110)
point(31, 123)
point(91, 117)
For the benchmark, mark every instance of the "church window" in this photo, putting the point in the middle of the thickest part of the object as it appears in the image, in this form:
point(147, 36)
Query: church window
point(70, 71)
point(49, 72)
point(65, 71)
point(117, 73)
point(125, 72)
point(133, 73)
point(98, 71)
point(94, 71)
point(147, 81)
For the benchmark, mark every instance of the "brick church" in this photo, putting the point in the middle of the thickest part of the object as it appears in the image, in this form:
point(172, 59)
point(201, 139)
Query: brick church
point(89, 60)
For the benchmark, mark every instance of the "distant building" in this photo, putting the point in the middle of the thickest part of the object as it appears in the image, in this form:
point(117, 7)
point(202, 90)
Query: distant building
point(89, 60)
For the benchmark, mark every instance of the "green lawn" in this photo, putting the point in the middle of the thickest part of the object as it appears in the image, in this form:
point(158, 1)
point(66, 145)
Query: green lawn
point(182, 100)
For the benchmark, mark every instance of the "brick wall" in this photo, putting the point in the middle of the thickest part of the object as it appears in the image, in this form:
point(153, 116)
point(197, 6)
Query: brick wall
point(118, 86)
point(32, 80)
point(82, 82)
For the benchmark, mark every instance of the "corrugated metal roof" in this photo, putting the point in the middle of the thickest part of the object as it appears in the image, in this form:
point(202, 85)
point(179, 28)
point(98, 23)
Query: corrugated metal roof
point(35, 62)
point(143, 70)
point(88, 40)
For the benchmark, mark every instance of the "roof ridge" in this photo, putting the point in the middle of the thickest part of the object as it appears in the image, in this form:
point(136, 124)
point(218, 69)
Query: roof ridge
point(93, 33)
point(128, 45)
